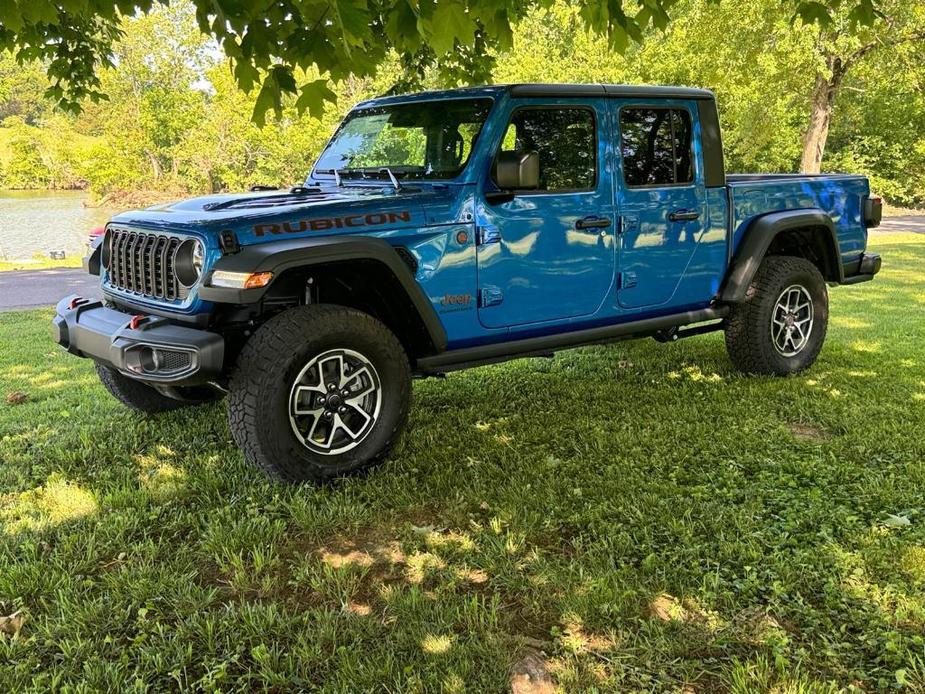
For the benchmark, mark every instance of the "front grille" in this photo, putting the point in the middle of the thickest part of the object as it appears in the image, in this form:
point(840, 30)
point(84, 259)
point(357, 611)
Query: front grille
point(143, 263)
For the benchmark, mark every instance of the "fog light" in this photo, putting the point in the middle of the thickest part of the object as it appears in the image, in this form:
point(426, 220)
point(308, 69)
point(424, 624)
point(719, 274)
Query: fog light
point(149, 359)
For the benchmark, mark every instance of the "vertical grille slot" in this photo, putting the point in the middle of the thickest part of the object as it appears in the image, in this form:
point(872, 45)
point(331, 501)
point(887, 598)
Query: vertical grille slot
point(143, 263)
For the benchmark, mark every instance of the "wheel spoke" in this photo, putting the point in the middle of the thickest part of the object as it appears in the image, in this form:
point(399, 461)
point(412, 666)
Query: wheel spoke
point(314, 412)
point(339, 423)
point(780, 330)
point(356, 408)
point(354, 375)
point(311, 431)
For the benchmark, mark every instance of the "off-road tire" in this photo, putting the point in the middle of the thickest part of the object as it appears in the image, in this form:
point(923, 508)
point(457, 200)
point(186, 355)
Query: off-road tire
point(269, 365)
point(144, 398)
point(748, 326)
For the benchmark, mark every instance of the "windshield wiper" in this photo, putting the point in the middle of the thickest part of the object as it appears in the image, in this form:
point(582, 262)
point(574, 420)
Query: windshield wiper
point(392, 178)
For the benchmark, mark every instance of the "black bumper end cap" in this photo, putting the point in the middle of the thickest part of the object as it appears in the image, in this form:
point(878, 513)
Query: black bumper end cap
point(869, 266)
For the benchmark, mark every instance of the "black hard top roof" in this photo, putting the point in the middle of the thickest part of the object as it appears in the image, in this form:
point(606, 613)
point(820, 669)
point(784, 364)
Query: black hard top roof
point(629, 91)
point(615, 90)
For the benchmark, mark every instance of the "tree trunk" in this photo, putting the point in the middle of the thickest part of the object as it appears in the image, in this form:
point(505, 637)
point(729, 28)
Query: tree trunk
point(823, 102)
point(155, 164)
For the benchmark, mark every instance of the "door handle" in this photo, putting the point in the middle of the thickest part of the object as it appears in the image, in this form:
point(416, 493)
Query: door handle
point(592, 222)
point(683, 216)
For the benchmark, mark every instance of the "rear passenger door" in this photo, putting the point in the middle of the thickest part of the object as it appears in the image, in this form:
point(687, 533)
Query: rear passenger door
point(548, 254)
point(661, 199)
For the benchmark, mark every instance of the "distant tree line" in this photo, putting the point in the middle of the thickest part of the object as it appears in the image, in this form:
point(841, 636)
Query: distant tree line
point(834, 96)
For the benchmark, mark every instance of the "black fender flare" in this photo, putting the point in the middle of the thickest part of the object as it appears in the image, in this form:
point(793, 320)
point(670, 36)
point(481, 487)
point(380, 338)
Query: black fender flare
point(279, 256)
point(758, 238)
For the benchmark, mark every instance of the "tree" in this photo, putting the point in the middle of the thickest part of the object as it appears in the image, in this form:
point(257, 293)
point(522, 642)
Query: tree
point(25, 168)
point(270, 41)
point(842, 42)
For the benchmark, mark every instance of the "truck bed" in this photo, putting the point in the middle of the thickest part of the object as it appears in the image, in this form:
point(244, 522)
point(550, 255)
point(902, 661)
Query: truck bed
point(841, 196)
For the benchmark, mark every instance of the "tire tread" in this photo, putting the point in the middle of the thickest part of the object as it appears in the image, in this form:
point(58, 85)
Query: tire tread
point(747, 340)
point(255, 370)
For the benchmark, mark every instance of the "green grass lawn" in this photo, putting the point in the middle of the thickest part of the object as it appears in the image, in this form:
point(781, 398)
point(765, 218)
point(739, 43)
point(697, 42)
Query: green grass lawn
point(645, 515)
point(40, 263)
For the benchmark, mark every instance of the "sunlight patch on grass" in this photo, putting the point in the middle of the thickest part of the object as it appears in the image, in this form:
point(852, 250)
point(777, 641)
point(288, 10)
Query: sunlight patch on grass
point(58, 501)
point(419, 564)
point(913, 564)
point(849, 322)
point(866, 346)
point(575, 638)
point(694, 374)
point(476, 576)
point(454, 684)
point(161, 479)
point(668, 608)
point(339, 560)
point(437, 644)
point(450, 538)
point(359, 608)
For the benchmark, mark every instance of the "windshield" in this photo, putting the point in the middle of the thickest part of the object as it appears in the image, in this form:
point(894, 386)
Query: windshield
point(422, 140)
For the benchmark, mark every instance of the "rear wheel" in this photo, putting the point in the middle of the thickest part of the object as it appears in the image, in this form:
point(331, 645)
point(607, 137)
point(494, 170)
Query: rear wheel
point(319, 392)
point(781, 326)
point(144, 398)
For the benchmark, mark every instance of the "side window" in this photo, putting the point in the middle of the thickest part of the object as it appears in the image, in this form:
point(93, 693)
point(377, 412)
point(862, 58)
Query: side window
point(656, 146)
point(564, 139)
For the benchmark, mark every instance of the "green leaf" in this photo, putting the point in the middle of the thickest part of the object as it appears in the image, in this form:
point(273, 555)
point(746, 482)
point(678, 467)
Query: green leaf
point(863, 14)
point(897, 521)
point(352, 17)
point(450, 23)
point(814, 13)
point(312, 97)
point(278, 80)
point(245, 74)
point(402, 27)
point(10, 17)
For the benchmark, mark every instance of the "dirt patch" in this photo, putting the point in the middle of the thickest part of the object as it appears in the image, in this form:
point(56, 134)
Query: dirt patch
point(802, 431)
point(668, 608)
point(12, 624)
point(530, 675)
point(17, 397)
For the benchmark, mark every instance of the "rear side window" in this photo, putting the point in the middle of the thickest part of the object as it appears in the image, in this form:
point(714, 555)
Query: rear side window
point(564, 139)
point(656, 146)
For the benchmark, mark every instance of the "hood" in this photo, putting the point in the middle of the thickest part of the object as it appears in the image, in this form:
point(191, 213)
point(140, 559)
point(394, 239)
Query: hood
point(261, 216)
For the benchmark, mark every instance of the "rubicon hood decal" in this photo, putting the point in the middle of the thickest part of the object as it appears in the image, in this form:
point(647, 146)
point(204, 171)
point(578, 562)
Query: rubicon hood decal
point(326, 223)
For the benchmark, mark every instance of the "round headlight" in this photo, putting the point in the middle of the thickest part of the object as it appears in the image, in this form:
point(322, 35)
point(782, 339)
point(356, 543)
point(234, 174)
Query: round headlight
point(199, 257)
point(188, 262)
point(106, 249)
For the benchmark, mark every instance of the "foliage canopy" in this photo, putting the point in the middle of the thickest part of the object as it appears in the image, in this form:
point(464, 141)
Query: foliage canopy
point(271, 42)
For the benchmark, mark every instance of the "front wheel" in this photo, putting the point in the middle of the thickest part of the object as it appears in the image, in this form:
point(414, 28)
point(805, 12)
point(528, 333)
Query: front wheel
point(319, 392)
point(780, 327)
point(148, 399)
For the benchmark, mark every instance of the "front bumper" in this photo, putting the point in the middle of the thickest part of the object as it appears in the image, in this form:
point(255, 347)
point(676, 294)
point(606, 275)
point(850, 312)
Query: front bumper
point(147, 348)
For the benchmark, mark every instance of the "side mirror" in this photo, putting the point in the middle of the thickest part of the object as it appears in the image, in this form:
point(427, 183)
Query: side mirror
point(518, 170)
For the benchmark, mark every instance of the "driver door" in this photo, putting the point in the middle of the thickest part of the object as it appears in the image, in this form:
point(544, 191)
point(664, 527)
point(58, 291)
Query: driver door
point(547, 254)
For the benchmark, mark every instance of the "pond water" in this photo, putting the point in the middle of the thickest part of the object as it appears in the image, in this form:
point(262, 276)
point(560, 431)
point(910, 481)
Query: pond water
point(36, 222)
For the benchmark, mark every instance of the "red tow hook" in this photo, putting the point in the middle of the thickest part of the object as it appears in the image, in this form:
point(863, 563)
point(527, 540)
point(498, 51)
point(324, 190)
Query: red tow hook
point(78, 301)
point(137, 320)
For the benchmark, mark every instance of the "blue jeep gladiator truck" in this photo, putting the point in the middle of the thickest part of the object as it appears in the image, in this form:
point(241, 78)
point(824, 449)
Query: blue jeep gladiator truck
point(444, 230)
